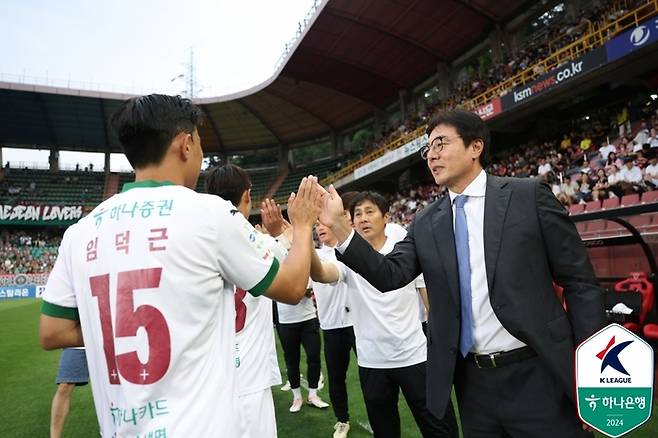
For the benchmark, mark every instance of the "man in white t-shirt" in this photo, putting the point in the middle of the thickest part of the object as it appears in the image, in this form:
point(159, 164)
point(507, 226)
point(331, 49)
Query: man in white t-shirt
point(391, 346)
point(651, 172)
point(606, 150)
point(255, 349)
point(146, 282)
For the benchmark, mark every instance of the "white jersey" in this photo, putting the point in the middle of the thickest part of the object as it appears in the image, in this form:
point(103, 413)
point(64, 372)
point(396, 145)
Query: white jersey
point(387, 329)
point(300, 312)
point(255, 348)
point(332, 298)
point(151, 272)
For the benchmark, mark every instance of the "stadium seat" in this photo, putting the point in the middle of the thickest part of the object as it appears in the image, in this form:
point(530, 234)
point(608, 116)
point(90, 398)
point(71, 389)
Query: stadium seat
point(650, 197)
point(638, 283)
point(582, 228)
point(593, 206)
point(641, 222)
point(576, 208)
point(596, 226)
point(610, 203)
point(627, 200)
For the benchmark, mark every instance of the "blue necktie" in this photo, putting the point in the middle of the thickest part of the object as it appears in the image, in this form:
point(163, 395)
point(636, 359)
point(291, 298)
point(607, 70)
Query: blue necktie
point(463, 261)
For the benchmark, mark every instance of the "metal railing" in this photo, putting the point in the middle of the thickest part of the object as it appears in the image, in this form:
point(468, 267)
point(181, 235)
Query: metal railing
point(570, 52)
point(596, 38)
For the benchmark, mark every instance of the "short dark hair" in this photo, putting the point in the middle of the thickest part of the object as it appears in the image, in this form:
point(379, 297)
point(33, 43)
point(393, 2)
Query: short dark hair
point(146, 125)
point(374, 197)
point(468, 125)
point(228, 181)
point(347, 199)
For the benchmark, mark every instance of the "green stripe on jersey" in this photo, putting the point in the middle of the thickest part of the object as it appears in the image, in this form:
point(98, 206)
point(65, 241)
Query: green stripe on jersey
point(266, 282)
point(56, 311)
point(145, 184)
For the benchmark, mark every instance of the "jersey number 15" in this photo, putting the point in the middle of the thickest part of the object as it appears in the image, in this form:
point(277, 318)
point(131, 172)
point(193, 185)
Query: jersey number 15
point(128, 320)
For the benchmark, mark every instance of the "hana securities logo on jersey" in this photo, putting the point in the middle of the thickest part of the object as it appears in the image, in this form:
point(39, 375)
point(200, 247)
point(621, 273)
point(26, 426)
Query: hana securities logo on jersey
point(614, 380)
point(633, 39)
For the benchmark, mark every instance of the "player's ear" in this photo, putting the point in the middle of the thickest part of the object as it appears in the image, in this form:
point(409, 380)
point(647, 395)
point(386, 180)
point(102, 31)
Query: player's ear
point(183, 145)
point(246, 196)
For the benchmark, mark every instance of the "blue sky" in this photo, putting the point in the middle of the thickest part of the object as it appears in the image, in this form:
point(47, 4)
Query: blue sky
point(138, 46)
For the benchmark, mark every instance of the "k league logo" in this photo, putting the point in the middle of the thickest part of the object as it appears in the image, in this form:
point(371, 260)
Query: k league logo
point(610, 358)
point(614, 380)
point(640, 35)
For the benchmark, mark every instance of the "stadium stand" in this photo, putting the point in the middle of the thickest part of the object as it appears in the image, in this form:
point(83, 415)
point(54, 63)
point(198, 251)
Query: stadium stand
point(28, 251)
point(21, 186)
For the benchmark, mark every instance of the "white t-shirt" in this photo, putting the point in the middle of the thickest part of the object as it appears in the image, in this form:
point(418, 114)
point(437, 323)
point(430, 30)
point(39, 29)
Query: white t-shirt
point(606, 150)
point(290, 314)
point(333, 298)
point(544, 168)
point(632, 175)
point(652, 172)
point(151, 272)
point(386, 325)
point(422, 313)
point(255, 348)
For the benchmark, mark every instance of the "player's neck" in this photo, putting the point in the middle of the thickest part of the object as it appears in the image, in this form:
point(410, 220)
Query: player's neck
point(159, 173)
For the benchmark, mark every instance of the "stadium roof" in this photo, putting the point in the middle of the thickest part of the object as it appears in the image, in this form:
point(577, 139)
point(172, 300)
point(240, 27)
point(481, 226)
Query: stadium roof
point(354, 59)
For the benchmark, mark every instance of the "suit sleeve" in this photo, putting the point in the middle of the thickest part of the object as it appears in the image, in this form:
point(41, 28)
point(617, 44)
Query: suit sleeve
point(385, 272)
point(570, 265)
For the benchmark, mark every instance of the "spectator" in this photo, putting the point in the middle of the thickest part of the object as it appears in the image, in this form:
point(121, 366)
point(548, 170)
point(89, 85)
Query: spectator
point(585, 190)
point(544, 167)
point(651, 173)
point(606, 149)
point(600, 189)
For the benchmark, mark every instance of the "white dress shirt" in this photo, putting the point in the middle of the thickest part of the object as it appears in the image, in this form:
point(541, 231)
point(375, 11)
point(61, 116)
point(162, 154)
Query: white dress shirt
point(489, 335)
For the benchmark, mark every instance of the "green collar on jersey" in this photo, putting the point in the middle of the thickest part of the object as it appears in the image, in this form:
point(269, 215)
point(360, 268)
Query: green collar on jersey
point(148, 183)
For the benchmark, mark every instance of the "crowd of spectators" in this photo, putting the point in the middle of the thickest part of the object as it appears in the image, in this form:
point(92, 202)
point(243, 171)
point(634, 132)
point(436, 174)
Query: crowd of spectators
point(28, 251)
point(582, 165)
point(551, 32)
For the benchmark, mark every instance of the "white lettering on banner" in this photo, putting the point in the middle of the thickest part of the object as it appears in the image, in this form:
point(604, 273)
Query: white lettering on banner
point(55, 212)
point(40, 213)
point(391, 157)
point(572, 70)
point(20, 212)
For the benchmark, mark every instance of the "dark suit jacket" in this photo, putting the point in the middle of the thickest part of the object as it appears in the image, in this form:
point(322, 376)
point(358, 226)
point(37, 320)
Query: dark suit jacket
point(529, 242)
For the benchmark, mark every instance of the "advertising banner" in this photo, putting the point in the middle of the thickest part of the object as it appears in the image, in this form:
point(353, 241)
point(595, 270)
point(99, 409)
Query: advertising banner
point(551, 80)
point(490, 109)
point(391, 157)
point(40, 214)
point(633, 39)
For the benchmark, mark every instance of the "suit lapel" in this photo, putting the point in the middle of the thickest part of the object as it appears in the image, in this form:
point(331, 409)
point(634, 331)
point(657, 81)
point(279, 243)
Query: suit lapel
point(444, 238)
point(496, 202)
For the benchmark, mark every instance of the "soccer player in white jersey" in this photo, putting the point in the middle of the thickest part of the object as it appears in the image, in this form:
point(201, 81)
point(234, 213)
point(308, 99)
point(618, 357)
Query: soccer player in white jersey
point(255, 349)
point(389, 340)
point(146, 282)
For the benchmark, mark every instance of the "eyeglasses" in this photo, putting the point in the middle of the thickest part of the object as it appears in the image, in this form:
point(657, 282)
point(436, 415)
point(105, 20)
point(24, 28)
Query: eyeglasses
point(436, 146)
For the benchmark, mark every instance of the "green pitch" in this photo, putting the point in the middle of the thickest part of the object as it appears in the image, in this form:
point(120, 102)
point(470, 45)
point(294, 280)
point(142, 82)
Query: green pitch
point(27, 376)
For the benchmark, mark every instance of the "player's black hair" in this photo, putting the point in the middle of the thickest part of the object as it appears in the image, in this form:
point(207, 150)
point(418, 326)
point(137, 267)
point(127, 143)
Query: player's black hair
point(228, 181)
point(468, 125)
point(374, 197)
point(347, 198)
point(146, 126)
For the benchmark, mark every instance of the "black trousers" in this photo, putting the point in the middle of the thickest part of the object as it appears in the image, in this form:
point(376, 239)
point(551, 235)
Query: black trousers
point(518, 400)
point(292, 336)
point(381, 389)
point(337, 346)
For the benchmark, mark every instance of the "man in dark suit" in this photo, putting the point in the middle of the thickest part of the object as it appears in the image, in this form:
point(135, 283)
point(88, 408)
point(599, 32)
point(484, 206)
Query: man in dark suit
point(490, 252)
